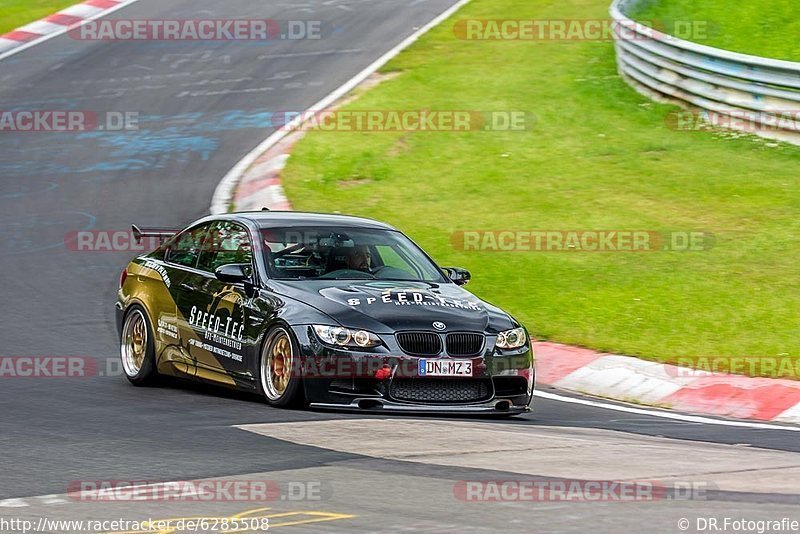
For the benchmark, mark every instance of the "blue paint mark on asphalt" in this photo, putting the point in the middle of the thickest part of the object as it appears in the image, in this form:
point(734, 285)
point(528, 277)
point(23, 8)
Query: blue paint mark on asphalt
point(147, 142)
point(60, 104)
point(236, 119)
point(123, 165)
point(26, 190)
point(161, 139)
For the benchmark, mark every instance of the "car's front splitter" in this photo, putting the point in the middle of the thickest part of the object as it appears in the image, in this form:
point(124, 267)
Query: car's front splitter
point(379, 405)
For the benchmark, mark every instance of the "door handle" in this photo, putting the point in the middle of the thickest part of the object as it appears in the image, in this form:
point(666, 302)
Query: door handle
point(187, 287)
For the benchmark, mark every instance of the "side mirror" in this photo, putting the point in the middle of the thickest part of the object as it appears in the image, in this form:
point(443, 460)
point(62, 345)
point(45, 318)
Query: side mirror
point(233, 273)
point(457, 275)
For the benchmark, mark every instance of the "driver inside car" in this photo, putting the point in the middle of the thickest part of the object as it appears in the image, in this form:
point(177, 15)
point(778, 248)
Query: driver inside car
point(359, 258)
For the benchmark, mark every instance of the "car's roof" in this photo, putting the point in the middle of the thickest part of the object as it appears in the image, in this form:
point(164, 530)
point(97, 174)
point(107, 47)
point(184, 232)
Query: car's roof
point(274, 219)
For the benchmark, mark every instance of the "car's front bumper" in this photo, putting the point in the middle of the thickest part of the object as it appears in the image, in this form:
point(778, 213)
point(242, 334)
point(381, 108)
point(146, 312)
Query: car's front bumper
point(348, 380)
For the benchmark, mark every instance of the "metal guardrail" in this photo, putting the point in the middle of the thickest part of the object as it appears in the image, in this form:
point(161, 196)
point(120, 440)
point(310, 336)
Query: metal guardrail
point(739, 91)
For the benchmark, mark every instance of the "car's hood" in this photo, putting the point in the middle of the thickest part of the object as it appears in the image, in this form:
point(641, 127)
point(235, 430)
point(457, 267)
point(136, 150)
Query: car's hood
point(387, 306)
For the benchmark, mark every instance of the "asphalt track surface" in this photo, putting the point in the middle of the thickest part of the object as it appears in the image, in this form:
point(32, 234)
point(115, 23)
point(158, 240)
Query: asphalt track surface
point(201, 108)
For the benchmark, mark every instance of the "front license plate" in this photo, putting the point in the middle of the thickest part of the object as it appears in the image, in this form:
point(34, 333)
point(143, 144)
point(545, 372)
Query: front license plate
point(444, 368)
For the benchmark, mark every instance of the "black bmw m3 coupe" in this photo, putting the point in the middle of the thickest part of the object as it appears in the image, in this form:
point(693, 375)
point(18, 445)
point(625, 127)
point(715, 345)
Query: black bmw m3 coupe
point(328, 311)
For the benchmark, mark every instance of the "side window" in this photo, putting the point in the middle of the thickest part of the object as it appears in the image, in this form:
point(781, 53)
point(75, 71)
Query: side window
point(228, 242)
point(186, 247)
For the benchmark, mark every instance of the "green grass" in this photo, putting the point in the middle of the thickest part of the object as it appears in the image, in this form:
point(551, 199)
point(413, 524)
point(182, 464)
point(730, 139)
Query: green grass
point(16, 13)
point(759, 27)
point(599, 157)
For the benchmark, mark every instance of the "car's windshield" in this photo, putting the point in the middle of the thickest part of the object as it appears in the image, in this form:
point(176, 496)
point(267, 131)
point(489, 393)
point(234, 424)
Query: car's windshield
point(345, 254)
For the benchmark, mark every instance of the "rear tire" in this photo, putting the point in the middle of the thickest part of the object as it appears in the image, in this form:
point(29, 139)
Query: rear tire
point(279, 366)
point(137, 348)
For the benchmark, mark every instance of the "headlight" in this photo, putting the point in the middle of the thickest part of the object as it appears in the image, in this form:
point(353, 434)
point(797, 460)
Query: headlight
point(344, 337)
point(511, 339)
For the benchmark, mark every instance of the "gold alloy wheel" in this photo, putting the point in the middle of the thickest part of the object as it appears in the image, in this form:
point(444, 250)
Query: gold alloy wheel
point(134, 342)
point(276, 364)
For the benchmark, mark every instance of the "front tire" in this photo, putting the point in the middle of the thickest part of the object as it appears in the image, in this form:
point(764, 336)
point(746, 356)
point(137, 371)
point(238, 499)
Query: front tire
point(279, 366)
point(137, 348)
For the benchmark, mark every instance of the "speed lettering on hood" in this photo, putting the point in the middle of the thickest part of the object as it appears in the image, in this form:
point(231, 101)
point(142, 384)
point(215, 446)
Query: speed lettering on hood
point(415, 297)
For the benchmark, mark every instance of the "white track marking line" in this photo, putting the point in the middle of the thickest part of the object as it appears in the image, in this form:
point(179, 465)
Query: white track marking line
point(83, 11)
point(42, 27)
point(65, 29)
point(664, 415)
point(223, 195)
point(7, 43)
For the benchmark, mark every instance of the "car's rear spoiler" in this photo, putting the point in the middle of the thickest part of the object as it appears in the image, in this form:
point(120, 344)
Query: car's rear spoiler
point(161, 233)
